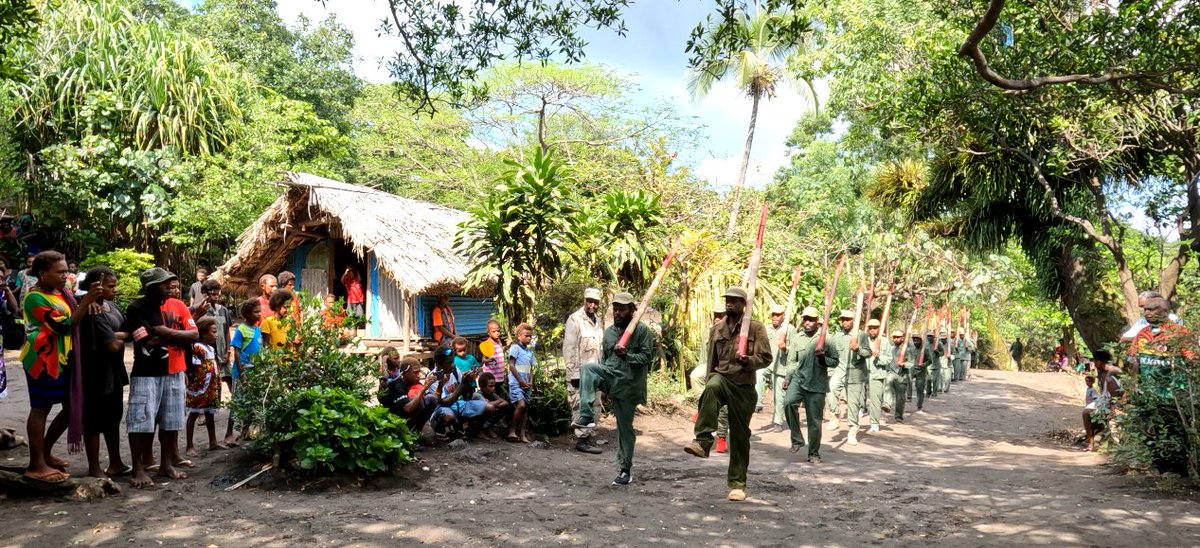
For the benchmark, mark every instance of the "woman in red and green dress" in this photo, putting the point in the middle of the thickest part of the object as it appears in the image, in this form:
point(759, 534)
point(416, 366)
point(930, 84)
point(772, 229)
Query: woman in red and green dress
point(46, 356)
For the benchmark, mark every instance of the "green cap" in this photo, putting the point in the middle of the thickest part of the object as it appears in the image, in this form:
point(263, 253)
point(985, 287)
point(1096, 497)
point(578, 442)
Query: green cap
point(623, 298)
point(736, 292)
point(155, 275)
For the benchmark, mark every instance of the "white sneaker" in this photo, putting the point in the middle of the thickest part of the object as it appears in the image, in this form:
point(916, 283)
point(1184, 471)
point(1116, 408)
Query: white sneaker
point(853, 437)
point(832, 424)
point(874, 428)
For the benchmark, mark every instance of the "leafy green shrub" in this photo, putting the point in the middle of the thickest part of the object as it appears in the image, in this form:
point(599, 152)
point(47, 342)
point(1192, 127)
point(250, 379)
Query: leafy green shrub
point(128, 264)
point(308, 401)
point(333, 429)
point(549, 408)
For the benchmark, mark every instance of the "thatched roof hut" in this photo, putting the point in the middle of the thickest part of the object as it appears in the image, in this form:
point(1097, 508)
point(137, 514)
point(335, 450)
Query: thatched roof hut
point(413, 240)
point(319, 227)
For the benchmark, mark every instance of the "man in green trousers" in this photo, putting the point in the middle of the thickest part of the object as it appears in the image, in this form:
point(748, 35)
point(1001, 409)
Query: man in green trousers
point(845, 349)
point(878, 366)
point(779, 334)
point(898, 371)
point(920, 372)
point(731, 383)
point(807, 384)
point(622, 375)
point(700, 374)
point(945, 360)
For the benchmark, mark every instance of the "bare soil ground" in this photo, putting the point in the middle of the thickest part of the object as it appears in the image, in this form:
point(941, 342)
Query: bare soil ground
point(982, 467)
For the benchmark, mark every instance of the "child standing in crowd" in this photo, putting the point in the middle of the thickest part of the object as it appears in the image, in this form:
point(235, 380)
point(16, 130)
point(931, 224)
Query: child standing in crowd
point(246, 342)
point(274, 327)
point(48, 363)
point(102, 349)
point(463, 361)
point(1090, 394)
point(204, 385)
point(493, 362)
point(354, 293)
point(520, 378)
point(210, 305)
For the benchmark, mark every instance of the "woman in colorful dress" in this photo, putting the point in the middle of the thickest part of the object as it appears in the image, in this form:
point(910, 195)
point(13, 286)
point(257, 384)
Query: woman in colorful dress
point(204, 385)
point(51, 370)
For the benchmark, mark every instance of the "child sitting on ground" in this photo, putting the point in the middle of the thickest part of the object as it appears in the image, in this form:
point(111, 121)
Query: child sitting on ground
point(520, 378)
point(204, 385)
point(493, 408)
point(405, 395)
point(450, 389)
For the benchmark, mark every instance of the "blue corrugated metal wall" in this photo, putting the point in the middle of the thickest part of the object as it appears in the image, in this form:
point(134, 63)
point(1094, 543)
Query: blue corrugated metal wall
point(471, 314)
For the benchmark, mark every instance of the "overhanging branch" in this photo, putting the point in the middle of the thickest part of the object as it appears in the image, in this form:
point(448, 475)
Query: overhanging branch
point(970, 49)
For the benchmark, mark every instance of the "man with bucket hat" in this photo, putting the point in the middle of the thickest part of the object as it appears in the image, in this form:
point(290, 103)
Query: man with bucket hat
point(161, 328)
point(807, 383)
point(582, 335)
point(730, 383)
point(621, 374)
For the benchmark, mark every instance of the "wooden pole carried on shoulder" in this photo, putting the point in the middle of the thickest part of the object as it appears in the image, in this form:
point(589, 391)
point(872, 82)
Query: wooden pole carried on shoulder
point(642, 306)
point(752, 282)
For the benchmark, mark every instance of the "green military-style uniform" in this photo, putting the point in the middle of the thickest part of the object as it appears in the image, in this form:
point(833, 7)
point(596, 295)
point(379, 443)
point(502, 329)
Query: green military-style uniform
point(855, 370)
point(623, 379)
point(780, 369)
point(807, 384)
point(731, 384)
point(898, 373)
point(878, 367)
point(962, 357)
point(920, 372)
point(702, 378)
point(945, 366)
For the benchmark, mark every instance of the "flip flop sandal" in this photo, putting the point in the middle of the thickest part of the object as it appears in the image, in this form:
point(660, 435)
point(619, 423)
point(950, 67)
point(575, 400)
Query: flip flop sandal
point(127, 471)
point(57, 476)
point(186, 463)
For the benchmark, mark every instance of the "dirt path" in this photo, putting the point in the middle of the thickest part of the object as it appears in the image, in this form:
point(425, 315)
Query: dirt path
point(978, 469)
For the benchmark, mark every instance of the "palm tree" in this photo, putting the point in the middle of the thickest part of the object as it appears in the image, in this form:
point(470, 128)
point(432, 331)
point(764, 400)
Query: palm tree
point(766, 40)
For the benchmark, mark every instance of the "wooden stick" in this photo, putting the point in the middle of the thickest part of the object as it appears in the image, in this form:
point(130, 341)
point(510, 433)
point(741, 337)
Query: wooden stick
point(247, 480)
point(752, 282)
point(830, 289)
point(787, 315)
point(641, 309)
point(908, 330)
point(883, 323)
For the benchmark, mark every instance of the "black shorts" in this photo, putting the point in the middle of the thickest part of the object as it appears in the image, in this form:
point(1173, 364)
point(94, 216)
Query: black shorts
point(103, 412)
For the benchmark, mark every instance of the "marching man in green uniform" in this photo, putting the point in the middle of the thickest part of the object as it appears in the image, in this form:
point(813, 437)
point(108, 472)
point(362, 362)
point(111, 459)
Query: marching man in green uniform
point(731, 383)
point(945, 364)
point(853, 353)
point(779, 334)
point(879, 366)
point(962, 356)
point(622, 375)
point(898, 372)
point(807, 384)
point(921, 367)
point(700, 374)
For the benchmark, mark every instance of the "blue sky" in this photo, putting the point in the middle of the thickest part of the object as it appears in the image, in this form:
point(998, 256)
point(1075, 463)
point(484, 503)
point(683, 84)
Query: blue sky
point(651, 53)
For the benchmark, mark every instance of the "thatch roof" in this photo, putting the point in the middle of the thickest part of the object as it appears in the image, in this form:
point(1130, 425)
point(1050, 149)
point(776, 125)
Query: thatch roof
point(412, 240)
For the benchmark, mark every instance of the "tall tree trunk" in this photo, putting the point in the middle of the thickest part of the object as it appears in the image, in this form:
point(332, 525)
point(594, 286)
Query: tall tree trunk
point(737, 189)
point(1096, 321)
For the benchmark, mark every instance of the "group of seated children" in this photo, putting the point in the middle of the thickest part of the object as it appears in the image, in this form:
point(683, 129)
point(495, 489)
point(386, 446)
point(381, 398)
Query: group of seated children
point(460, 396)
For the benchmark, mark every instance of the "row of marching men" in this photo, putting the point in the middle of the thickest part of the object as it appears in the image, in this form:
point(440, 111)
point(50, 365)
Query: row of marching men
point(852, 375)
